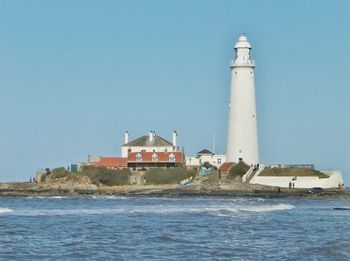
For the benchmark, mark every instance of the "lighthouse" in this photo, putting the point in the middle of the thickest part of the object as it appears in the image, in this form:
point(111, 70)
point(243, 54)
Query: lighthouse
point(242, 136)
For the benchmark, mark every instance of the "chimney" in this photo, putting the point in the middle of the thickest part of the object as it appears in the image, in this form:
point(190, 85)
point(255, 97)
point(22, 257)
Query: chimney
point(126, 137)
point(174, 138)
point(151, 135)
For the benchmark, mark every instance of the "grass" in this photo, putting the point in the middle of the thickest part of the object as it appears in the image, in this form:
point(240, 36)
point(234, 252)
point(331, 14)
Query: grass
point(286, 172)
point(167, 176)
point(104, 176)
point(211, 179)
point(97, 176)
point(57, 173)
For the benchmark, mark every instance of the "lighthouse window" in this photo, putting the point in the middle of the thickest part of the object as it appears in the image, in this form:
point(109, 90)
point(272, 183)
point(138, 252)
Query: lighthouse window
point(236, 73)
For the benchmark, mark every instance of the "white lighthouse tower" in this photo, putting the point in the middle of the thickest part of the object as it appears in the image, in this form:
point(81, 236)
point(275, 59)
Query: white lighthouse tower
point(242, 136)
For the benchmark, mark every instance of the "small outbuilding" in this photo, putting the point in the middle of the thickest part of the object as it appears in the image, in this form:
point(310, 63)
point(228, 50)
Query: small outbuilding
point(225, 168)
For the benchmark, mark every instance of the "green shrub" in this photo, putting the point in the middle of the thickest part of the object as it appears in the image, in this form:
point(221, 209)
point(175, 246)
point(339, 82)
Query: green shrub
point(207, 165)
point(43, 177)
point(167, 176)
point(104, 176)
point(97, 176)
point(59, 173)
point(239, 169)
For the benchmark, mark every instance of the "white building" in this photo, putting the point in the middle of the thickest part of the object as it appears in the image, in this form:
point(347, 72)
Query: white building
point(242, 136)
point(333, 180)
point(149, 143)
point(205, 156)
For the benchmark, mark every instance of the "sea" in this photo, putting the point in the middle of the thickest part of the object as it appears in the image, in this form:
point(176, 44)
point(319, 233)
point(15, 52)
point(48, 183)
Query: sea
point(158, 228)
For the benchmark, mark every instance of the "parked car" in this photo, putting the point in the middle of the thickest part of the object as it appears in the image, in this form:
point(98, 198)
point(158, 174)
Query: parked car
point(316, 190)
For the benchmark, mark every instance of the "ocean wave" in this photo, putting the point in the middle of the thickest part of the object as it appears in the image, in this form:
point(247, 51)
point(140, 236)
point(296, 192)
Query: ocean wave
point(51, 197)
point(108, 211)
point(109, 197)
point(267, 208)
point(5, 210)
point(218, 210)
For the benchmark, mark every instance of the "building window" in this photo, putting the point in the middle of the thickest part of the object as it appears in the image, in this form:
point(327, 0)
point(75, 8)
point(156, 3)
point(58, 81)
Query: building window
point(154, 157)
point(172, 157)
point(219, 161)
point(138, 157)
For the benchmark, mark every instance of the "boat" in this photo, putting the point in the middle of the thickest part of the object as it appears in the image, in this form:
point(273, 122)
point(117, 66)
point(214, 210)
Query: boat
point(186, 181)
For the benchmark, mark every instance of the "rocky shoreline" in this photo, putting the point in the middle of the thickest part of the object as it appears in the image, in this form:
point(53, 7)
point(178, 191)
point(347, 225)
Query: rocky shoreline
point(31, 189)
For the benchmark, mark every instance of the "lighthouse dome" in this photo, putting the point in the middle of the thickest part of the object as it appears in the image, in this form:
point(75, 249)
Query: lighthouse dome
point(243, 38)
point(243, 42)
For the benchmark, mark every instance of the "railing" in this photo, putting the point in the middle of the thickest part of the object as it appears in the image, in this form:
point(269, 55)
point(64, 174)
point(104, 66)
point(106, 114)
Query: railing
point(247, 174)
point(249, 62)
point(255, 172)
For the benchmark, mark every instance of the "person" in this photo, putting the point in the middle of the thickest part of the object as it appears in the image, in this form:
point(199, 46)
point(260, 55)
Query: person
point(30, 179)
point(293, 185)
point(290, 185)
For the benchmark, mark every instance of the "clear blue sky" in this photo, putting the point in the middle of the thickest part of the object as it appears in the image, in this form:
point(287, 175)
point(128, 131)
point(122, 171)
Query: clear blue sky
point(74, 75)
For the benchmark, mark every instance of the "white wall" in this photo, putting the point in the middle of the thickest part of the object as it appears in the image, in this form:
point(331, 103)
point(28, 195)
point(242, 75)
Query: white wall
point(192, 162)
point(215, 160)
point(146, 148)
point(242, 136)
point(335, 178)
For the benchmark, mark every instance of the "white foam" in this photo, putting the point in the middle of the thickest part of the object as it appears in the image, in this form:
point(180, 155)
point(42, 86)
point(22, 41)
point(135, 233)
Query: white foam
point(112, 197)
point(216, 210)
point(112, 211)
point(51, 197)
point(109, 197)
point(267, 208)
point(220, 208)
point(5, 210)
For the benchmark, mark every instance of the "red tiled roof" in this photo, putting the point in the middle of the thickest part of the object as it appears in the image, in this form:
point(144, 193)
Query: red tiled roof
point(111, 162)
point(226, 166)
point(162, 156)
